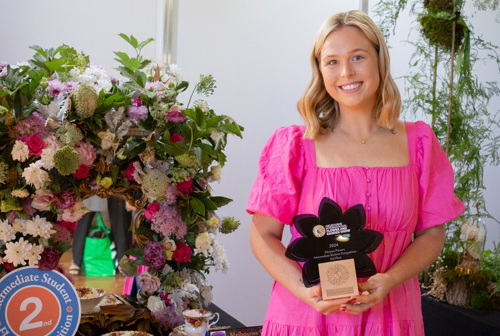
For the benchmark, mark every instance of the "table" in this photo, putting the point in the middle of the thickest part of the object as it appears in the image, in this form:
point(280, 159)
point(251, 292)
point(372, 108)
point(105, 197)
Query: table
point(442, 319)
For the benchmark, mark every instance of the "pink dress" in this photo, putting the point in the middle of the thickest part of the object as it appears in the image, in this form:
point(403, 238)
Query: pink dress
point(398, 201)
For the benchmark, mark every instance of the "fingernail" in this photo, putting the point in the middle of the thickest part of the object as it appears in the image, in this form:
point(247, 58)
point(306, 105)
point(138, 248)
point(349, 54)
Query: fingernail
point(352, 300)
point(343, 308)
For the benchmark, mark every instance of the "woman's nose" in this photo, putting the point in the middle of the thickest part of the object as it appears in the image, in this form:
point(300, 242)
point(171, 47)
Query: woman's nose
point(347, 70)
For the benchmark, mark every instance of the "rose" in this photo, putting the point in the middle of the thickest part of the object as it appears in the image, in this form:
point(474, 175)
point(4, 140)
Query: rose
point(182, 253)
point(185, 186)
point(107, 139)
point(155, 304)
point(65, 200)
point(35, 144)
point(216, 173)
point(203, 242)
point(176, 137)
point(129, 172)
point(70, 226)
point(43, 199)
point(82, 172)
point(48, 259)
point(148, 283)
point(151, 209)
point(107, 182)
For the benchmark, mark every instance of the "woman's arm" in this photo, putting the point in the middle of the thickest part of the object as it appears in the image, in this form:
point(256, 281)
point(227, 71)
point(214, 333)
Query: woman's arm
point(424, 249)
point(265, 239)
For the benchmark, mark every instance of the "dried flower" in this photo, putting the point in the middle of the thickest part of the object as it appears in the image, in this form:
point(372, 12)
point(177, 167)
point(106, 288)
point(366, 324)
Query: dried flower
point(68, 134)
point(86, 100)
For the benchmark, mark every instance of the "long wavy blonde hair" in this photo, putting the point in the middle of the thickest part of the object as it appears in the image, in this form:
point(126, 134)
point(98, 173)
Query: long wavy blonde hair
point(318, 109)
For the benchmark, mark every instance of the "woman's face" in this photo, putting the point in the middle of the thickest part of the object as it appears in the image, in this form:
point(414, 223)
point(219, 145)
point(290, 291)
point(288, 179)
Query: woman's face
point(349, 65)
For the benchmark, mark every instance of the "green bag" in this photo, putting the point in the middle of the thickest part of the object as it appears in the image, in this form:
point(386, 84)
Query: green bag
point(99, 255)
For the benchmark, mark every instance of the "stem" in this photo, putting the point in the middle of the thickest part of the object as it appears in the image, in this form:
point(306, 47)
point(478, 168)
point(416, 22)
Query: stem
point(192, 93)
point(434, 84)
point(448, 126)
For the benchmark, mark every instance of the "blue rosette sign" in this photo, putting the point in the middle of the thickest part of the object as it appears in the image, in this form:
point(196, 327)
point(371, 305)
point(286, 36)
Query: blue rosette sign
point(34, 302)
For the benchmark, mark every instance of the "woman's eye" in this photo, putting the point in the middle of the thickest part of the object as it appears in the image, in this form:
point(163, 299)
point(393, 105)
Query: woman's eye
point(333, 62)
point(358, 57)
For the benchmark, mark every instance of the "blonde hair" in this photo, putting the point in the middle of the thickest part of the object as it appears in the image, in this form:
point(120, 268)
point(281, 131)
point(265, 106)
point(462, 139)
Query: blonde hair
point(318, 109)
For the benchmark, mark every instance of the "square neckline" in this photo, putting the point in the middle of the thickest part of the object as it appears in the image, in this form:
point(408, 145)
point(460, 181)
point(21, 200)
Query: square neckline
point(312, 156)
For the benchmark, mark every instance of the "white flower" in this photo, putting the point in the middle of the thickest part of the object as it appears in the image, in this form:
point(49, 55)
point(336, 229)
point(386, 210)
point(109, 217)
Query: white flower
point(20, 193)
point(203, 104)
point(220, 257)
point(35, 175)
point(214, 135)
point(203, 242)
point(47, 158)
point(174, 70)
point(95, 76)
point(7, 232)
point(156, 304)
point(34, 254)
point(20, 151)
point(216, 173)
point(17, 252)
point(39, 227)
point(20, 226)
point(206, 294)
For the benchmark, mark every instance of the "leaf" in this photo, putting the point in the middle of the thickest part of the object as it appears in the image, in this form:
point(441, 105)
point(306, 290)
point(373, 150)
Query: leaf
point(182, 86)
point(133, 41)
point(144, 43)
point(197, 206)
point(214, 121)
point(231, 128)
point(209, 204)
point(171, 147)
point(220, 201)
point(125, 37)
point(61, 246)
point(133, 147)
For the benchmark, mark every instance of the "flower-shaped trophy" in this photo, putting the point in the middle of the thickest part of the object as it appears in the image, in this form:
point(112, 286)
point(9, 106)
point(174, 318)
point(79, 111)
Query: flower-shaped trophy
point(333, 236)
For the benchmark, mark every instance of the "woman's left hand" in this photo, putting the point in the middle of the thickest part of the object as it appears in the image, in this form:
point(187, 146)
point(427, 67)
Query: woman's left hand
point(377, 287)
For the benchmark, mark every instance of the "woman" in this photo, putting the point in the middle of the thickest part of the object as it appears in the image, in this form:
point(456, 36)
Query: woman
point(353, 150)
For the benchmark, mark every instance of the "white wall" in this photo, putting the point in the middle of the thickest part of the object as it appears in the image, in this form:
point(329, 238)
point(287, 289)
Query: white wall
point(259, 53)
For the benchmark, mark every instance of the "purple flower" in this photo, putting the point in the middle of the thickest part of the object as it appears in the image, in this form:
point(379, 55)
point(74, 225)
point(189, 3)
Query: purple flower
point(171, 194)
point(153, 85)
point(55, 87)
point(168, 317)
point(168, 220)
point(2, 65)
point(27, 208)
point(154, 256)
point(49, 259)
point(113, 80)
point(137, 112)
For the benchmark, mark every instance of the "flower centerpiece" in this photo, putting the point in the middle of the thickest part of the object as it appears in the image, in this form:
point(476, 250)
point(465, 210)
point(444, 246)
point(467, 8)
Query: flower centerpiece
point(69, 131)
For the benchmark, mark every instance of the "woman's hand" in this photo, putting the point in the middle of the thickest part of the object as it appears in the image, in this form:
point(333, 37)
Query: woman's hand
point(375, 289)
point(325, 307)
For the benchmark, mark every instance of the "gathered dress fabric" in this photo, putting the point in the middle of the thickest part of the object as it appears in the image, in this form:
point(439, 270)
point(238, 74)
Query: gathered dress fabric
point(398, 201)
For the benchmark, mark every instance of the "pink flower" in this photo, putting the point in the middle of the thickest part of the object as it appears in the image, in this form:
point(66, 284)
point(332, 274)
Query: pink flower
point(65, 200)
point(185, 186)
point(62, 234)
point(34, 124)
point(151, 209)
point(174, 114)
point(176, 138)
point(82, 172)
point(129, 172)
point(12, 216)
point(87, 152)
point(182, 253)
point(137, 102)
point(74, 214)
point(49, 259)
point(43, 199)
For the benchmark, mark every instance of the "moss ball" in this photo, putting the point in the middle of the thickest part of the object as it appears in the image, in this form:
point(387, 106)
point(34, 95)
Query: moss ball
point(440, 32)
point(480, 300)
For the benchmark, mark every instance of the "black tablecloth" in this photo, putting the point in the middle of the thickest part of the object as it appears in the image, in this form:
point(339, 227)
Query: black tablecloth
point(224, 318)
point(443, 319)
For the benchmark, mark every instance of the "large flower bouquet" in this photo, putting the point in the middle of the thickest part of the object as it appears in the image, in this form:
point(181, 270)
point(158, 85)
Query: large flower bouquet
point(68, 131)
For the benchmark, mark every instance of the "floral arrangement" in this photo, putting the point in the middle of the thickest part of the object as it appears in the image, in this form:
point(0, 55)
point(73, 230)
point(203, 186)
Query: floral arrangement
point(68, 131)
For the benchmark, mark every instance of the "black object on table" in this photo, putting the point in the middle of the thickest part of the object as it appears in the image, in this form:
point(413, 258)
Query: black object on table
point(443, 319)
point(224, 318)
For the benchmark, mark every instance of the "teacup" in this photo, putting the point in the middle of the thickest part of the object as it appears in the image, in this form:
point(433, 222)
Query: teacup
point(197, 321)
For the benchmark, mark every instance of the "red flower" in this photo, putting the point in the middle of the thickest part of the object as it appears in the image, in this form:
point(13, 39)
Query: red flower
point(182, 253)
point(35, 144)
point(176, 137)
point(185, 186)
point(130, 171)
point(70, 226)
point(151, 209)
point(82, 172)
point(65, 200)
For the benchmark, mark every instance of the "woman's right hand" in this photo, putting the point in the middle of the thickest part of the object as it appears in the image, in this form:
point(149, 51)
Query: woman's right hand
point(325, 307)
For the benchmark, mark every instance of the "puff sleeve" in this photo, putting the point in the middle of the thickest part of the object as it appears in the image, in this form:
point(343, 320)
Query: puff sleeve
point(437, 202)
point(277, 187)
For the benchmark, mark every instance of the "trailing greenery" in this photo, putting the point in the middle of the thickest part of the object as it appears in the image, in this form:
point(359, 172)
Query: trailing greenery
point(472, 130)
